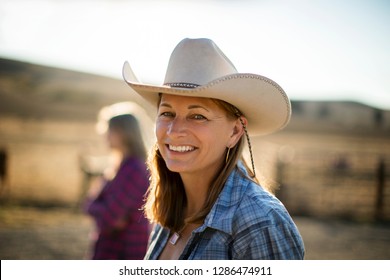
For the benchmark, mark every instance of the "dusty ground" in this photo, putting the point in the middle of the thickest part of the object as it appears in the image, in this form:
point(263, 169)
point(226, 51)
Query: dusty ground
point(39, 233)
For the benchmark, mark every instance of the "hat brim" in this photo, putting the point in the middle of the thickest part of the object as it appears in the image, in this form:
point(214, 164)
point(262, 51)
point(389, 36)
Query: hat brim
point(262, 101)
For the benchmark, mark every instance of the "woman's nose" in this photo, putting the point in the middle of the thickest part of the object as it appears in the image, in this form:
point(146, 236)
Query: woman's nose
point(177, 127)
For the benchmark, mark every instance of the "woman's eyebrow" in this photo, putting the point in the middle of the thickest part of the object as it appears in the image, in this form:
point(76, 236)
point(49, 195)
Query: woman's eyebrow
point(164, 104)
point(197, 107)
point(194, 106)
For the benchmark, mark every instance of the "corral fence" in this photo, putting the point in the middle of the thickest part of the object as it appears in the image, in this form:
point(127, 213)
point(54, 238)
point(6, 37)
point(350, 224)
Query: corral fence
point(352, 185)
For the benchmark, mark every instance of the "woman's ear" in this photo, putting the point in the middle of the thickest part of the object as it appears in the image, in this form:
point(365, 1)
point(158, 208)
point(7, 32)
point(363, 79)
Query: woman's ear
point(238, 131)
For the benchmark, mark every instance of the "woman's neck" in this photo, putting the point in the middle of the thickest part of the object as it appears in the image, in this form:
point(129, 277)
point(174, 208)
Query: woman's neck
point(196, 188)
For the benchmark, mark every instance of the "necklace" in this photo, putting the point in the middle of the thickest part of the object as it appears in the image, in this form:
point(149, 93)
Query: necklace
point(176, 236)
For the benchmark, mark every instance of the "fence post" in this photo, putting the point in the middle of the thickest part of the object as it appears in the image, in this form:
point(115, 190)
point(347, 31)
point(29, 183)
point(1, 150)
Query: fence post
point(380, 189)
point(280, 192)
point(3, 172)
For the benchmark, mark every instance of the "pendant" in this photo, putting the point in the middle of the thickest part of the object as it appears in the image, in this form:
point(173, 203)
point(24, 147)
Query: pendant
point(175, 237)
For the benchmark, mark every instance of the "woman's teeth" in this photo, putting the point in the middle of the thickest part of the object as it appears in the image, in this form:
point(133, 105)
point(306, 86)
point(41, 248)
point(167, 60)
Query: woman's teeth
point(181, 148)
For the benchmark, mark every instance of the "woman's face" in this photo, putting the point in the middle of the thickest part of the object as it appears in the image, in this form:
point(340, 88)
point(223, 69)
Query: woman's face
point(193, 134)
point(114, 139)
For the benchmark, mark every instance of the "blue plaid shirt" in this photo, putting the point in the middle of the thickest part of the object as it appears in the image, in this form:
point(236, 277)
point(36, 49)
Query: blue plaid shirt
point(246, 222)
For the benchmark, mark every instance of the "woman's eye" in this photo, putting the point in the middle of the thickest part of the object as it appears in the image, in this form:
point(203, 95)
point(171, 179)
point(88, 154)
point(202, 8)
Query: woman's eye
point(166, 114)
point(199, 117)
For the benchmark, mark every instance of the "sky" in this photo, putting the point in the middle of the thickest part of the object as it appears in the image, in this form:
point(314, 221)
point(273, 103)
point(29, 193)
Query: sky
point(314, 49)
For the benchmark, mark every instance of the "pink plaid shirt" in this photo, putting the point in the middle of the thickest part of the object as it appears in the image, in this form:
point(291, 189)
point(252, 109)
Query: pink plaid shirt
point(122, 198)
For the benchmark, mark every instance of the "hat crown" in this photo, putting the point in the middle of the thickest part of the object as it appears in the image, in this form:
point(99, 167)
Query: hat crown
point(196, 62)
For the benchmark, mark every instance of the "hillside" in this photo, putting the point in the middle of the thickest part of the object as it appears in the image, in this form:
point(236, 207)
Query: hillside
point(40, 92)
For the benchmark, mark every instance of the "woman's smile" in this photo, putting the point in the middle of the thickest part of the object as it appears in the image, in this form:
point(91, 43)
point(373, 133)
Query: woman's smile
point(180, 149)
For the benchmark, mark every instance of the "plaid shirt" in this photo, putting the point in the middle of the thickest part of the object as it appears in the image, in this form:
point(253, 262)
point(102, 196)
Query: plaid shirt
point(246, 222)
point(122, 198)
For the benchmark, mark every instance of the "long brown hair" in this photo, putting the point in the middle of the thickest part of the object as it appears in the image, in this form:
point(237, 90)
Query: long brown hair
point(128, 127)
point(166, 198)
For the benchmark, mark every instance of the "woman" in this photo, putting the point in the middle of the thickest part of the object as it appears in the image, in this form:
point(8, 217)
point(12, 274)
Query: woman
point(206, 203)
point(121, 226)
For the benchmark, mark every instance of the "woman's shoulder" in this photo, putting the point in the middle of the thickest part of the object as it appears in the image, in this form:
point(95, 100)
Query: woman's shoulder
point(259, 206)
point(247, 202)
point(134, 172)
point(261, 221)
point(133, 164)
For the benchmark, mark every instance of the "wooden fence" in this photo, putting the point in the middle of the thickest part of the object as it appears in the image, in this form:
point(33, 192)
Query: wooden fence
point(344, 185)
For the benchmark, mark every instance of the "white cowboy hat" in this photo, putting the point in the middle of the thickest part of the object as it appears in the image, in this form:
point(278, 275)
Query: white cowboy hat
point(197, 67)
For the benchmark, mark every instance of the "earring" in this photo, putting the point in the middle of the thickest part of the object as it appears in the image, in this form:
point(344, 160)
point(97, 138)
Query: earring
point(227, 155)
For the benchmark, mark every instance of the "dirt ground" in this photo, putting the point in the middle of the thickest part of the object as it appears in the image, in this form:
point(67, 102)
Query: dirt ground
point(63, 234)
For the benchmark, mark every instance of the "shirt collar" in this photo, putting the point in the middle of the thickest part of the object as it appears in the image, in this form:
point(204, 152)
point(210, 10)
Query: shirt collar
point(221, 214)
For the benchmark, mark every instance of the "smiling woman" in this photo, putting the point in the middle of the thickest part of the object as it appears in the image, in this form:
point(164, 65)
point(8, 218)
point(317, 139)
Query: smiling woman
point(205, 201)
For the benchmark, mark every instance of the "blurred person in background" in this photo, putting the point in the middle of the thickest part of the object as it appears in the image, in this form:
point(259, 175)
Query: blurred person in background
point(205, 201)
point(121, 228)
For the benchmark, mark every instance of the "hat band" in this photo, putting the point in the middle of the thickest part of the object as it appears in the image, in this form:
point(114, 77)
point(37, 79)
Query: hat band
point(182, 85)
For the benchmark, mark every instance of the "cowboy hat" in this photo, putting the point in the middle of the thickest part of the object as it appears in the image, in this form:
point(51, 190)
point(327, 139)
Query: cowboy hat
point(198, 68)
